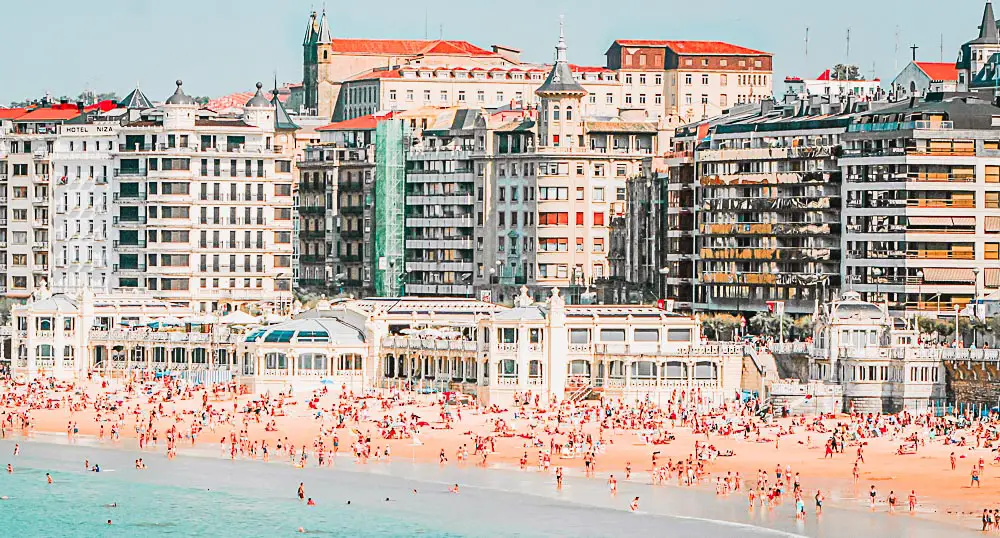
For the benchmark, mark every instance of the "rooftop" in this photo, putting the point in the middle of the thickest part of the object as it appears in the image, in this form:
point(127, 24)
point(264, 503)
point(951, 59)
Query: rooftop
point(938, 70)
point(407, 47)
point(692, 47)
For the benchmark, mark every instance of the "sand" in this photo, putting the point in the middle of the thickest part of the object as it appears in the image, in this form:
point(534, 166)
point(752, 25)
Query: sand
point(944, 494)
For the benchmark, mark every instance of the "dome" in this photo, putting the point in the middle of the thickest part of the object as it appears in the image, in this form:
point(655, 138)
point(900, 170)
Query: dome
point(179, 97)
point(329, 330)
point(258, 100)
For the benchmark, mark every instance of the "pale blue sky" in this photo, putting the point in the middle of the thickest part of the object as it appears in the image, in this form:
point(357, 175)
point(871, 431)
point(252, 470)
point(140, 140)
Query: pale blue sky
point(221, 46)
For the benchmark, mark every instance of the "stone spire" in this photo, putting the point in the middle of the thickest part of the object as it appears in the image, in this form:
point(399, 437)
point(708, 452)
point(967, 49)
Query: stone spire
point(988, 29)
point(560, 79)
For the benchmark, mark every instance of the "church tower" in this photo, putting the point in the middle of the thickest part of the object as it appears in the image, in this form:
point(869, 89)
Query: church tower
point(315, 58)
point(560, 122)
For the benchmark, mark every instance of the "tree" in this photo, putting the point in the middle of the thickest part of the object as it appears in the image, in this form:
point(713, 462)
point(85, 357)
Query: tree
point(720, 327)
point(846, 72)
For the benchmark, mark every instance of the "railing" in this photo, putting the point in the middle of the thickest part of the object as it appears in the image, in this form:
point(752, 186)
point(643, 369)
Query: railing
point(118, 245)
point(148, 335)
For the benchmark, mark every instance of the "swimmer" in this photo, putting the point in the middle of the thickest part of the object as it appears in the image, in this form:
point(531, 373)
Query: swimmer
point(348, 502)
point(4, 498)
point(634, 506)
point(301, 530)
point(17, 449)
point(112, 505)
point(453, 489)
point(109, 522)
point(48, 477)
point(310, 502)
point(10, 468)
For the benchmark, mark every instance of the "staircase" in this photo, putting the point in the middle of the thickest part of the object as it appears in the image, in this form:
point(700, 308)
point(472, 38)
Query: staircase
point(580, 393)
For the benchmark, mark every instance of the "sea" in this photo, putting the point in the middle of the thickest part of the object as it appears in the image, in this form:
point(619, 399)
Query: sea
point(202, 494)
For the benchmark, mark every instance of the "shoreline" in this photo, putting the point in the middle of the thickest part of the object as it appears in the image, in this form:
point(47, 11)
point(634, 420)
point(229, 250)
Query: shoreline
point(779, 520)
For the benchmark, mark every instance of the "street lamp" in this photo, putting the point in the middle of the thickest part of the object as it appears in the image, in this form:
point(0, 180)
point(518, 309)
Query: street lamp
point(920, 283)
point(975, 304)
point(664, 271)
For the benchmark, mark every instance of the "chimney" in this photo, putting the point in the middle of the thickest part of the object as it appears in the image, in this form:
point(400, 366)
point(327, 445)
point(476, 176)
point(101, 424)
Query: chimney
point(79, 106)
point(913, 101)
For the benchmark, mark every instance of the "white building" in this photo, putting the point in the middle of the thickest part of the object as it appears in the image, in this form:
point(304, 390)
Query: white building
point(203, 206)
point(918, 79)
point(82, 165)
point(824, 85)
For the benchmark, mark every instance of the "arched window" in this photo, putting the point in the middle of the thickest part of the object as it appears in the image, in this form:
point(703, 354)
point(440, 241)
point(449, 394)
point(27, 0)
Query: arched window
point(555, 113)
point(199, 356)
point(44, 324)
point(706, 370)
point(578, 367)
point(508, 368)
point(676, 370)
point(643, 369)
point(569, 113)
point(44, 352)
point(275, 361)
point(22, 351)
point(535, 368)
point(69, 352)
point(178, 355)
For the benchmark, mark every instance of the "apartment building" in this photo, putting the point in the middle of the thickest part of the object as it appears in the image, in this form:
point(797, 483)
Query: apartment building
point(768, 208)
point(440, 207)
point(689, 80)
point(921, 194)
point(574, 167)
point(83, 167)
point(203, 206)
point(335, 201)
point(409, 87)
point(26, 206)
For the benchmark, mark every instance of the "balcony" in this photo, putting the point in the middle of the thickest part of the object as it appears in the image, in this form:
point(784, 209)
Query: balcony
point(129, 221)
point(134, 270)
point(40, 244)
point(130, 172)
point(128, 197)
point(40, 200)
point(128, 247)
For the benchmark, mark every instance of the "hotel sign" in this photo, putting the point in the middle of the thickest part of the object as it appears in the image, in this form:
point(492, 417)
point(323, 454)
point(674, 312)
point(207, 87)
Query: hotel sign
point(89, 129)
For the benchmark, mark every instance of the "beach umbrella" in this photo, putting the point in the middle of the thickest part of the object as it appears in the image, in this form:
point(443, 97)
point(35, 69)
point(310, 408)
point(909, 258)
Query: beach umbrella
point(410, 330)
point(167, 321)
point(275, 318)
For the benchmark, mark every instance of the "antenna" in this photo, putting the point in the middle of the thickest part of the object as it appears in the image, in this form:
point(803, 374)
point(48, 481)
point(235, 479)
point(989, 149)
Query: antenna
point(441, 31)
point(425, 24)
point(941, 52)
point(807, 43)
point(848, 59)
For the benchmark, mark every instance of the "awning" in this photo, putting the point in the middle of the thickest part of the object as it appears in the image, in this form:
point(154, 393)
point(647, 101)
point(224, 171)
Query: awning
point(942, 221)
point(993, 224)
point(992, 278)
point(952, 274)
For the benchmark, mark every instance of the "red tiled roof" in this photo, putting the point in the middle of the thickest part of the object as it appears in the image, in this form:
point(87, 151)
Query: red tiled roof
point(939, 70)
point(372, 75)
point(50, 114)
point(362, 123)
point(237, 100)
point(690, 47)
point(12, 113)
point(588, 69)
point(407, 47)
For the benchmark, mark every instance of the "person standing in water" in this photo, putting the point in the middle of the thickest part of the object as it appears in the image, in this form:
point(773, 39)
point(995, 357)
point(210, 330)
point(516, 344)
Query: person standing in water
point(634, 506)
point(302, 491)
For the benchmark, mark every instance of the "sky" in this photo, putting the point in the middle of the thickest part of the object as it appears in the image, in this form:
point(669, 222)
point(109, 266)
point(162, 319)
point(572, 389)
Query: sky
point(223, 46)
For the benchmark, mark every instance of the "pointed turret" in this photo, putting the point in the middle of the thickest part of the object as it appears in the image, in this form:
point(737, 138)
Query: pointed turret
point(324, 30)
point(179, 97)
point(560, 80)
point(311, 34)
point(135, 100)
point(282, 121)
point(258, 100)
point(988, 29)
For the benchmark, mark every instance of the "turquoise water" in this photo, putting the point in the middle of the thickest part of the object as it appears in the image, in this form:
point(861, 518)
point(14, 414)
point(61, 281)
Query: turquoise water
point(208, 496)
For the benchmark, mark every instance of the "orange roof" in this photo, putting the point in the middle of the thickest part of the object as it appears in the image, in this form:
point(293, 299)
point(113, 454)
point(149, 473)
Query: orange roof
point(407, 47)
point(384, 73)
point(588, 69)
point(362, 123)
point(12, 113)
point(690, 47)
point(50, 114)
point(939, 70)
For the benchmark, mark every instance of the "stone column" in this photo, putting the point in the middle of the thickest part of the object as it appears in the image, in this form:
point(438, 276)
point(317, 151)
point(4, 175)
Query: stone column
point(556, 345)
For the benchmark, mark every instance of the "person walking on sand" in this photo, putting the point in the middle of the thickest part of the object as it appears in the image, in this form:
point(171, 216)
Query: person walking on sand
point(953, 461)
point(856, 473)
point(891, 500)
point(873, 495)
point(975, 476)
point(913, 500)
point(819, 502)
point(613, 484)
point(559, 477)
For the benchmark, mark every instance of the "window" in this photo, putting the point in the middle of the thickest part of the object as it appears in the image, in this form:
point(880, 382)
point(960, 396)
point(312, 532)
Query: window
point(461, 96)
point(723, 79)
point(642, 98)
point(642, 78)
point(579, 218)
point(723, 100)
point(679, 335)
point(704, 80)
point(580, 193)
point(628, 98)
point(553, 219)
point(579, 336)
point(704, 99)
point(612, 335)
point(628, 78)
point(688, 78)
point(659, 79)
point(599, 244)
point(553, 244)
point(688, 99)
point(392, 95)
point(598, 219)
point(620, 194)
point(658, 99)
point(646, 335)
point(609, 98)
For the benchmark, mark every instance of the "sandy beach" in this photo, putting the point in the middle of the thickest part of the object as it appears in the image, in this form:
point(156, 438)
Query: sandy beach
point(943, 494)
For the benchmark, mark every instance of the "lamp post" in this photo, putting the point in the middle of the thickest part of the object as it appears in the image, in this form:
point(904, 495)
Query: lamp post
point(920, 282)
point(975, 305)
point(877, 274)
point(664, 271)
